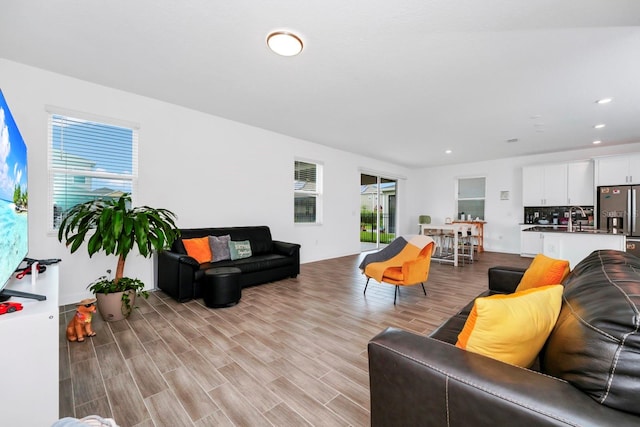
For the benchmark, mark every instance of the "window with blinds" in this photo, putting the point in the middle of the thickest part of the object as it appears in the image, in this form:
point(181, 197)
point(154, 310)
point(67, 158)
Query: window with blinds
point(307, 191)
point(88, 160)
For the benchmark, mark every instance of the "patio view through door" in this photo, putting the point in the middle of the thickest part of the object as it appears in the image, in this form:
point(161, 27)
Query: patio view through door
point(377, 211)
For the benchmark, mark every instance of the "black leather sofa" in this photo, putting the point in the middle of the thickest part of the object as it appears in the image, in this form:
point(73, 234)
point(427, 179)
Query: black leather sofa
point(589, 369)
point(181, 276)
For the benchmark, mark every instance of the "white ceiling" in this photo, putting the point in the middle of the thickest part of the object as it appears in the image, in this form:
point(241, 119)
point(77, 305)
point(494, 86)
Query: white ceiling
point(397, 80)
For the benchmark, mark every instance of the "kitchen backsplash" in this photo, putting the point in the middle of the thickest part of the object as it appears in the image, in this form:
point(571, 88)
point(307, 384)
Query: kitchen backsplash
point(557, 215)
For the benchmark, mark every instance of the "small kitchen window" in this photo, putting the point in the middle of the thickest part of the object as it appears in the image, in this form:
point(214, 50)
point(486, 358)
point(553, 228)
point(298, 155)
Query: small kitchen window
point(470, 197)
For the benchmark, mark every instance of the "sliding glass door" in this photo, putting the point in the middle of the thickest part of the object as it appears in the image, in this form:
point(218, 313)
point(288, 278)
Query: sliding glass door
point(377, 211)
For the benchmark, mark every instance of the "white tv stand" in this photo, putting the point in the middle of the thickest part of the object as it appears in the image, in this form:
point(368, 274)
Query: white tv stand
point(29, 355)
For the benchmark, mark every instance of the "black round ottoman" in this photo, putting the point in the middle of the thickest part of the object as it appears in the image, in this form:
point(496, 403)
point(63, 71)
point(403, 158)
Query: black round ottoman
point(222, 287)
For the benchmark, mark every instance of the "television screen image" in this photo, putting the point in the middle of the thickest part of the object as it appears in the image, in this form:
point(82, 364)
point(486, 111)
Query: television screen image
point(14, 243)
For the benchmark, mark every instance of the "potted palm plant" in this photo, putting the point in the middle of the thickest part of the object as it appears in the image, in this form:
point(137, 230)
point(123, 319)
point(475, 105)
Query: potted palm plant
point(115, 228)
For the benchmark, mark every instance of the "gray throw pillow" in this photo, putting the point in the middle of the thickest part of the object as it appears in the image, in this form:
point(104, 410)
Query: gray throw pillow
point(240, 249)
point(220, 247)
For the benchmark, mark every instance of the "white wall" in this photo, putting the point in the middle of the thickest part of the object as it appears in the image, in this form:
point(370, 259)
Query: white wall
point(215, 172)
point(436, 188)
point(208, 170)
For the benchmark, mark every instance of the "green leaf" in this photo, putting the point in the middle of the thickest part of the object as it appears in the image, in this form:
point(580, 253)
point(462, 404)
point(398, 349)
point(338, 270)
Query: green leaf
point(115, 228)
point(95, 244)
point(118, 220)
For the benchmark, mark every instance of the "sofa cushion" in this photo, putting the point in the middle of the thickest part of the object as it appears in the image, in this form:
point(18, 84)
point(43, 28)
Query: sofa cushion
point(239, 249)
point(543, 271)
point(248, 265)
point(595, 344)
point(198, 248)
point(219, 247)
point(512, 328)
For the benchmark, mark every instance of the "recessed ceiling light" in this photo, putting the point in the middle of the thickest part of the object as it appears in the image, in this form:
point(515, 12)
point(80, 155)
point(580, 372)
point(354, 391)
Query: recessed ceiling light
point(448, 151)
point(599, 126)
point(284, 43)
point(597, 142)
point(604, 101)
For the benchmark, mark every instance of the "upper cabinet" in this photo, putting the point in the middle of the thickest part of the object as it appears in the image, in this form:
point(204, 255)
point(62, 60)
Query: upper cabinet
point(580, 184)
point(558, 184)
point(544, 185)
point(618, 170)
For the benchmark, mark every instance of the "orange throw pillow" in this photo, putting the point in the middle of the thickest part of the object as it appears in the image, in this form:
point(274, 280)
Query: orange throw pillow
point(198, 248)
point(543, 271)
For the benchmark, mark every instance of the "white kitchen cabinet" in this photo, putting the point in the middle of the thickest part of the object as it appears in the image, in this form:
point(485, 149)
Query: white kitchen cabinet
point(532, 186)
point(544, 185)
point(29, 355)
point(580, 183)
point(531, 243)
point(619, 170)
point(574, 247)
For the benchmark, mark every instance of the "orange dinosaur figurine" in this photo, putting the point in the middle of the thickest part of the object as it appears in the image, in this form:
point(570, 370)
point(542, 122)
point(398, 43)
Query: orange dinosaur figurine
point(80, 326)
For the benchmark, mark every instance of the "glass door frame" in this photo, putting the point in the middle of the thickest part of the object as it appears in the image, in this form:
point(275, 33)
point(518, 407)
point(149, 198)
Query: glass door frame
point(380, 203)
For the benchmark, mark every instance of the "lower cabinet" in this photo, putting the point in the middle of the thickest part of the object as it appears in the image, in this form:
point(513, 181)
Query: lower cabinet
point(574, 247)
point(531, 243)
point(570, 246)
point(29, 355)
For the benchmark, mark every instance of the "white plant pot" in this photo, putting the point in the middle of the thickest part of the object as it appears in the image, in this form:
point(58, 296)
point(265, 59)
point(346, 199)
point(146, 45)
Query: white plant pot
point(111, 307)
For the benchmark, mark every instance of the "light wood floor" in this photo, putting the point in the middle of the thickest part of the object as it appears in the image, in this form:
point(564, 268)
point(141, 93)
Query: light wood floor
point(290, 353)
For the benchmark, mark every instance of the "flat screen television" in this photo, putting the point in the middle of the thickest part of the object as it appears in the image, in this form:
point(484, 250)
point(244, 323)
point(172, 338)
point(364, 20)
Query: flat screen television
point(14, 201)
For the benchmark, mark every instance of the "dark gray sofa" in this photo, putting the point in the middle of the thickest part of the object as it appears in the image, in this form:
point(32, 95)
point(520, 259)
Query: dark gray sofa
point(589, 369)
point(181, 276)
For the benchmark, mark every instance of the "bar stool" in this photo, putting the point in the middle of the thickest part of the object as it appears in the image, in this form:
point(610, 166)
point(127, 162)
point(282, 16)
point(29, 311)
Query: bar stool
point(475, 239)
point(465, 244)
point(436, 235)
point(448, 243)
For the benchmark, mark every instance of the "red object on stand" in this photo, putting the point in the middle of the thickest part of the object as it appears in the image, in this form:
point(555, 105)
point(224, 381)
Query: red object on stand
point(9, 307)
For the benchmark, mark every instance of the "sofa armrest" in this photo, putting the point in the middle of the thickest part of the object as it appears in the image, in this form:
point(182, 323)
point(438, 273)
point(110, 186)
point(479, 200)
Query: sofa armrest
point(284, 248)
point(417, 380)
point(176, 274)
point(291, 250)
point(504, 280)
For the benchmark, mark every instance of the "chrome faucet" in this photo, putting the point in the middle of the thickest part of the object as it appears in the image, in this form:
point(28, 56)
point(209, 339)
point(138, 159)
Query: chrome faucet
point(570, 223)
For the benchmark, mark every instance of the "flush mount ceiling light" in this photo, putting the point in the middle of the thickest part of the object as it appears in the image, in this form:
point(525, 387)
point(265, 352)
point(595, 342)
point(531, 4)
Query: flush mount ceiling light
point(604, 101)
point(599, 126)
point(284, 43)
point(597, 142)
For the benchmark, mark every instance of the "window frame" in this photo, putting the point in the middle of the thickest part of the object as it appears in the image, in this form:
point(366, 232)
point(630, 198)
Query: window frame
point(317, 194)
point(86, 175)
point(459, 199)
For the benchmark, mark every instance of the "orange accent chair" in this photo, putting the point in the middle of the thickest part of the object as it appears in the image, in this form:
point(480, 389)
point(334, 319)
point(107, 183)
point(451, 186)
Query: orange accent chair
point(405, 269)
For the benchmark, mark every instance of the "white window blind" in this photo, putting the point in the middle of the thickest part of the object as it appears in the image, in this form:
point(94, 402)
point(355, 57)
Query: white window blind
point(307, 192)
point(88, 160)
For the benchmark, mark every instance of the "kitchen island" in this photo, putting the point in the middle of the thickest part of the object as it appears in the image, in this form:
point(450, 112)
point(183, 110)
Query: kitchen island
point(557, 242)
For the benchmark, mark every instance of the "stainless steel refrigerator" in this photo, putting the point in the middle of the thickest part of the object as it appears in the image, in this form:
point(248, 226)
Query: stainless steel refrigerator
point(618, 213)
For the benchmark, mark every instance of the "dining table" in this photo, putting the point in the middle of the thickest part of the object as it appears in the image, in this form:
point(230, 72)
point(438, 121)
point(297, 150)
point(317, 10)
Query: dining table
point(437, 231)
